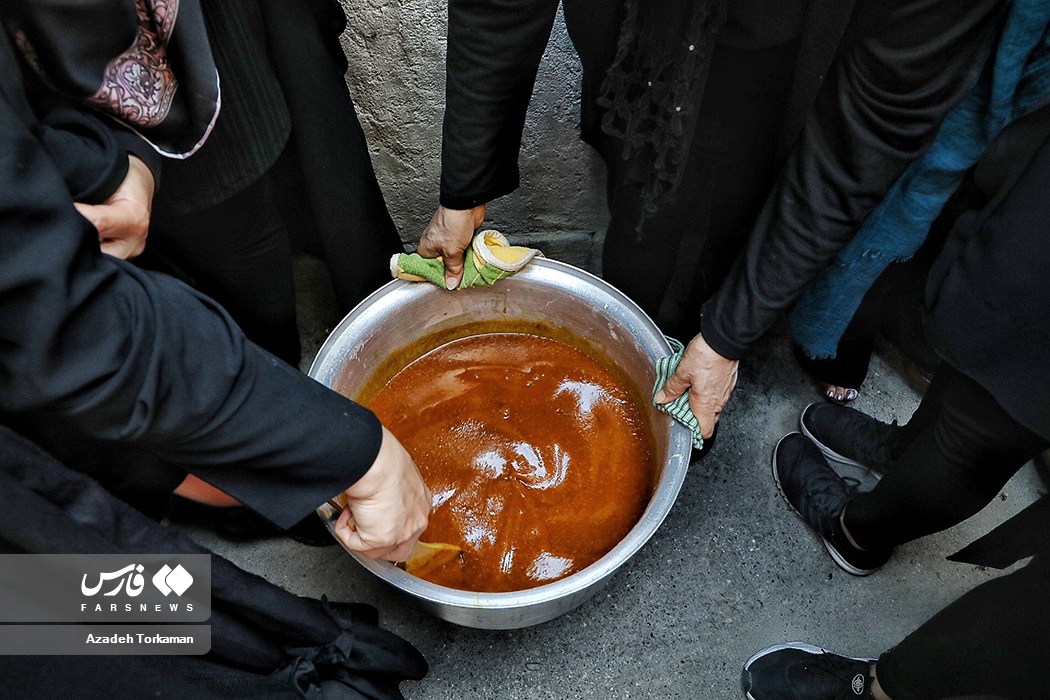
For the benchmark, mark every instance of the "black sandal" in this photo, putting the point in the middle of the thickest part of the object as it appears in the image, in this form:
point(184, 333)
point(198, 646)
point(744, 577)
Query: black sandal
point(846, 370)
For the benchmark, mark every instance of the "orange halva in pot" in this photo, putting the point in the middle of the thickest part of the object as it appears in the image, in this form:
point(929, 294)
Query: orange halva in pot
point(539, 456)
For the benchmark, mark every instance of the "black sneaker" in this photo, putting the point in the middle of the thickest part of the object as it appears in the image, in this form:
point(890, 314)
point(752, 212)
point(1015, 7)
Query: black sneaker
point(855, 444)
point(798, 671)
point(818, 495)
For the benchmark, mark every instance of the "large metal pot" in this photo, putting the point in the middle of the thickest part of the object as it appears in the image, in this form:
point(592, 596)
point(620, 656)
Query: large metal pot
point(555, 295)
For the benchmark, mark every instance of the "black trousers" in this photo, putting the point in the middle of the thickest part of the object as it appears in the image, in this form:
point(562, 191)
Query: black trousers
point(238, 253)
point(993, 642)
point(955, 454)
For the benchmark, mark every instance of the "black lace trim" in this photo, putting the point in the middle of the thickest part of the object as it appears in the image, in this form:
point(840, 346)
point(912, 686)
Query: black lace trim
point(652, 92)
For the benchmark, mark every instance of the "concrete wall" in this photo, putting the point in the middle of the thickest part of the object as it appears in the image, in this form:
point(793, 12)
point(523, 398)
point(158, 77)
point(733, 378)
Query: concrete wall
point(397, 77)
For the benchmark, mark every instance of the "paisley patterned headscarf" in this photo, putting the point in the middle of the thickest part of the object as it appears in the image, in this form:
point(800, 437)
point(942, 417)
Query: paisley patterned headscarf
point(146, 63)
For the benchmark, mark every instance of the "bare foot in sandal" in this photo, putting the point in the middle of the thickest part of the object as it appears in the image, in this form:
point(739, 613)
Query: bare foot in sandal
point(840, 394)
point(837, 378)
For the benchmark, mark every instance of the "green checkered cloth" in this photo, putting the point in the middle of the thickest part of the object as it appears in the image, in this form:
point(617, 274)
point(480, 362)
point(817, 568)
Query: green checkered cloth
point(679, 408)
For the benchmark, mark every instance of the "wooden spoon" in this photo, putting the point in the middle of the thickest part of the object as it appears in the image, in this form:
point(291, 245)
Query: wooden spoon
point(427, 557)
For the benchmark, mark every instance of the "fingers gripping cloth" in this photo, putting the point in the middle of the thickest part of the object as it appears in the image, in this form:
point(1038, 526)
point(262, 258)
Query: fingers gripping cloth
point(679, 408)
point(489, 259)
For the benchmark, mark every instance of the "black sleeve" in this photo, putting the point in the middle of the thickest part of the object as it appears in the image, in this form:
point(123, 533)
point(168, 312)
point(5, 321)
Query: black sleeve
point(133, 144)
point(86, 151)
point(91, 151)
point(878, 111)
point(494, 51)
point(129, 355)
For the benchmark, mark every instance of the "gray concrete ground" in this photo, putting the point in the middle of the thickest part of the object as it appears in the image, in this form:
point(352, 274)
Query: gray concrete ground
point(730, 571)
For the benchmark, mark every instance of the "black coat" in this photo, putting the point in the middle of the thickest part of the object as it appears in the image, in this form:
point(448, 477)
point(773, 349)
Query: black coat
point(494, 51)
point(126, 355)
point(137, 357)
point(873, 81)
point(987, 297)
point(905, 65)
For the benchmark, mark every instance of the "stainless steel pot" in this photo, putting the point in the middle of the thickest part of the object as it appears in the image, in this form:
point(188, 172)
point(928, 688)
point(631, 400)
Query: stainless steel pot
point(554, 294)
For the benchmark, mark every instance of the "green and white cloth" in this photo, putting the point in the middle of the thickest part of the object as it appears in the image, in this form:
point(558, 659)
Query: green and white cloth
point(489, 259)
point(679, 408)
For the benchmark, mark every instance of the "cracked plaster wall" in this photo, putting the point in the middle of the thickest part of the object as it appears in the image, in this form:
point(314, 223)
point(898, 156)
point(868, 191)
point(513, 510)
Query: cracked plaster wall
point(396, 52)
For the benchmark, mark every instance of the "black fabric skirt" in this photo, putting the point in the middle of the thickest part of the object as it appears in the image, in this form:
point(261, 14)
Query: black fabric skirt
point(266, 642)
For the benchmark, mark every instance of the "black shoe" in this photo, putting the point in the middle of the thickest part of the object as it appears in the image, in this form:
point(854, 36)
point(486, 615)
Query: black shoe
point(235, 523)
point(855, 444)
point(312, 532)
point(696, 455)
point(819, 495)
point(798, 671)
